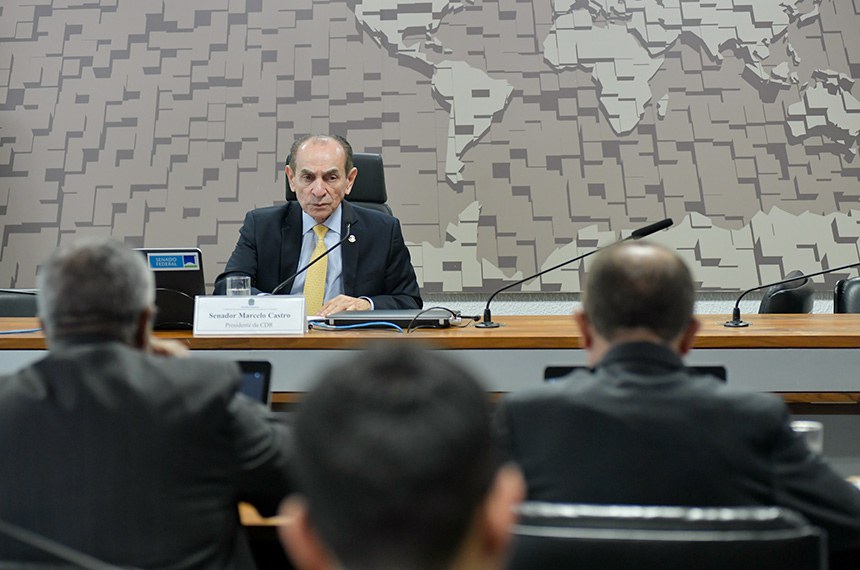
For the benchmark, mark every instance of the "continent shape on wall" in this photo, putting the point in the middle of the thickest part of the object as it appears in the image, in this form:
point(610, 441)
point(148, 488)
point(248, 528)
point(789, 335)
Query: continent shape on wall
point(514, 133)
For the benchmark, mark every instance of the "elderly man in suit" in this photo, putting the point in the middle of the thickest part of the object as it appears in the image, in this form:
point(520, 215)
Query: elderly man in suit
point(370, 270)
point(118, 446)
point(639, 428)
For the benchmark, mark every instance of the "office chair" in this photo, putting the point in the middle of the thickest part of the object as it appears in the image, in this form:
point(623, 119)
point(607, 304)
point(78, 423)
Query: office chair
point(18, 303)
point(369, 187)
point(605, 537)
point(61, 556)
point(846, 296)
point(557, 373)
point(795, 296)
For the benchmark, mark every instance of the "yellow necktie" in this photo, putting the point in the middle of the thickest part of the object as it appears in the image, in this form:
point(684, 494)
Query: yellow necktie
point(315, 280)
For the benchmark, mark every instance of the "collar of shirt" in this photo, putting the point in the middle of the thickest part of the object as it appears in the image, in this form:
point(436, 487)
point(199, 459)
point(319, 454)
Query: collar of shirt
point(332, 223)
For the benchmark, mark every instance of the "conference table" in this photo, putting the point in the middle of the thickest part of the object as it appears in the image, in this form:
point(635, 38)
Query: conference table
point(810, 360)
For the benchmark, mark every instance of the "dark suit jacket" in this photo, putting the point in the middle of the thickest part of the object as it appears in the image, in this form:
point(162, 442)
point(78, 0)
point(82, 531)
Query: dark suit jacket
point(376, 265)
point(135, 459)
point(640, 429)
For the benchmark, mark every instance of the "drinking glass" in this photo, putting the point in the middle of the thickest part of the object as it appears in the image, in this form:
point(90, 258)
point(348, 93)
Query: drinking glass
point(238, 286)
point(812, 432)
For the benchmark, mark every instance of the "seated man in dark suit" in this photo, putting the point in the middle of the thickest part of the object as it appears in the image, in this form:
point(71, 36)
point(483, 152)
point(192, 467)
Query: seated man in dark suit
point(370, 270)
point(397, 467)
point(117, 446)
point(642, 429)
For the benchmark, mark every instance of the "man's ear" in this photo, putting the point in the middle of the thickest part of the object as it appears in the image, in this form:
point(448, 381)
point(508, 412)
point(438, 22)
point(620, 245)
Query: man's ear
point(299, 538)
point(350, 179)
point(143, 329)
point(584, 326)
point(506, 493)
point(688, 337)
point(289, 173)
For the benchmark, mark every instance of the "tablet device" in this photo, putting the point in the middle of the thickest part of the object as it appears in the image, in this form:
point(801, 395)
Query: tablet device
point(256, 380)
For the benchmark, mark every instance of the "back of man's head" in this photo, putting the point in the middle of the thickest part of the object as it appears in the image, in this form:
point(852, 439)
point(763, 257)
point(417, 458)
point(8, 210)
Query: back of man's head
point(394, 456)
point(639, 285)
point(94, 286)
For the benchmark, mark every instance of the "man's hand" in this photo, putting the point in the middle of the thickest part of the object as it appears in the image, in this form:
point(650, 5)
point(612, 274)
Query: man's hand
point(344, 303)
point(166, 347)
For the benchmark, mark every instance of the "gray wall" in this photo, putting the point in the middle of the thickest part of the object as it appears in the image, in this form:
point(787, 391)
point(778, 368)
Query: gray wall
point(515, 133)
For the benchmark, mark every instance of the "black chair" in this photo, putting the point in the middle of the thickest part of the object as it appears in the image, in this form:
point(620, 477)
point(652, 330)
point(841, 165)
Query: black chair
point(62, 556)
point(846, 296)
point(18, 303)
point(556, 373)
point(369, 187)
point(604, 537)
point(795, 296)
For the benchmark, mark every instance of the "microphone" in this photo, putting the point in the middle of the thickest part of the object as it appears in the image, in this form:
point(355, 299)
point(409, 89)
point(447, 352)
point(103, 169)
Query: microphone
point(650, 229)
point(487, 321)
point(736, 321)
point(349, 237)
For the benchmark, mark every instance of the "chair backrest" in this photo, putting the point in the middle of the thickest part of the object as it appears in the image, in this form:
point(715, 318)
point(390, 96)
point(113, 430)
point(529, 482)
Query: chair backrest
point(561, 536)
point(556, 373)
point(796, 296)
point(18, 303)
point(846, 296)
point(369, 187)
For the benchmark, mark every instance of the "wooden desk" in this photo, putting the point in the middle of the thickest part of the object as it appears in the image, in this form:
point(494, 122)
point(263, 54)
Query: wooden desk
point(806, 358)
point(250, 516)
point(810, 360)
point(518, 332)
point(262, 534)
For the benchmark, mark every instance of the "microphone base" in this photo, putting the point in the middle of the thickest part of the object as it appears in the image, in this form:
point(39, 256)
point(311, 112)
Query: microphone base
point(736, 324)
point(487, 325)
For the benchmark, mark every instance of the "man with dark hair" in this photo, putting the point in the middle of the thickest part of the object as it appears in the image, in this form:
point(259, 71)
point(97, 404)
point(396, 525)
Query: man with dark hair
point(371, 270)
point(640, 428)
point(116, 446)
point(397, 467)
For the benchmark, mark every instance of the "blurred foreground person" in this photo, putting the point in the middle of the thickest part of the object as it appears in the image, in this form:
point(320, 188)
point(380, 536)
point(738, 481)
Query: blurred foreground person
point(118, 447)
point(640, 428)
point(397, 467)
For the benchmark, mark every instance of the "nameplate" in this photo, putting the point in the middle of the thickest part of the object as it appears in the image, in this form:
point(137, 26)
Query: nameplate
point(268, 315)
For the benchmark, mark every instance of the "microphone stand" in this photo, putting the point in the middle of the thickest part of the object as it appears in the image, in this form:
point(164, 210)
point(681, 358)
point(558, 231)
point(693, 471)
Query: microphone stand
point(487, 320)
point(736, 321)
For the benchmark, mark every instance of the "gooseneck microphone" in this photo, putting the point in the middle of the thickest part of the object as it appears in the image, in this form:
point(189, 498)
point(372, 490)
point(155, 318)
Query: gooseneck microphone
point(487, 321)
point(348, 237)
point(736, 321)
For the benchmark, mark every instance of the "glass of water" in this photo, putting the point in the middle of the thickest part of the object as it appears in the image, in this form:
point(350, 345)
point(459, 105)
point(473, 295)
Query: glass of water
point(238, 286)
point(812, 432)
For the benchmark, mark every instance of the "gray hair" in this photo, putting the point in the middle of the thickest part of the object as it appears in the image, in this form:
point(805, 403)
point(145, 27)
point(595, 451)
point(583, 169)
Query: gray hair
point(347, 149)
point(94, 286)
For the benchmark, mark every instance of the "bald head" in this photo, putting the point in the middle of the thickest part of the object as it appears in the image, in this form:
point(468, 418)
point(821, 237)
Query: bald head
point(636, 286)
point(301, 142)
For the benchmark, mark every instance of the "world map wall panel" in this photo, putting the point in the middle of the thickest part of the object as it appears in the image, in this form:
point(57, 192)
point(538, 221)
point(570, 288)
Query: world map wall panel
point(515, 134)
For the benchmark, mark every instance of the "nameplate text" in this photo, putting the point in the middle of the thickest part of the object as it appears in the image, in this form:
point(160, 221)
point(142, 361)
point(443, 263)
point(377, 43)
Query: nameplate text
point(270, 315)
